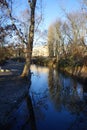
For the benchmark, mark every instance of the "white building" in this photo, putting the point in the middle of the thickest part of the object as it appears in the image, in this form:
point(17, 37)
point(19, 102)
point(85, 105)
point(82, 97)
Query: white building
point(41, 50)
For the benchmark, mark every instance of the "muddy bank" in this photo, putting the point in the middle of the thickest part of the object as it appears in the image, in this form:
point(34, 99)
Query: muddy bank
point(12, 90)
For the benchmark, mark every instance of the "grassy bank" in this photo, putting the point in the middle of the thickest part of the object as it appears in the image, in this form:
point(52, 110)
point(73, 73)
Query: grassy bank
point(76, 69)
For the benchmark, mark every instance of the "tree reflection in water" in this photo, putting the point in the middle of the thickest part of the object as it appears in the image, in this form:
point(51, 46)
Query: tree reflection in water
point(31, 118)
point(68, 94)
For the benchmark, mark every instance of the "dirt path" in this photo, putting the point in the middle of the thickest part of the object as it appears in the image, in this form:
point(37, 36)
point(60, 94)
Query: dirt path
point(12, 90)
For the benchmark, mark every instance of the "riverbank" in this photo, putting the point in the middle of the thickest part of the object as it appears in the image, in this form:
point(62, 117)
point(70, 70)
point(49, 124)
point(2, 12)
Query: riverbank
point(80, 76)
point(79, 73)
point(12, 90)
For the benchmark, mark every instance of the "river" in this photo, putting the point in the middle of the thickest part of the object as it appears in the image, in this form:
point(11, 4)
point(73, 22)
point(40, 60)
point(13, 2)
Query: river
point(54, 102)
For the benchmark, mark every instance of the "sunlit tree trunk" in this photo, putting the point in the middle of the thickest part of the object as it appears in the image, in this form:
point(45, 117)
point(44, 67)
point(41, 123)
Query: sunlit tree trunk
point(29, 46)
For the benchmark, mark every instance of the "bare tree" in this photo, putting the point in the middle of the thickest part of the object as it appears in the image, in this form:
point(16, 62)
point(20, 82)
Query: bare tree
point(51, 41)
point(59, 38)
point(29, 43)
point(29, 46)
point(84, 5)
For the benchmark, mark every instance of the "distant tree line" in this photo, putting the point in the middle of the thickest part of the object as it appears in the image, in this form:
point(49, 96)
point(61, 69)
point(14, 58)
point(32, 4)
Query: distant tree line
point(67, 39)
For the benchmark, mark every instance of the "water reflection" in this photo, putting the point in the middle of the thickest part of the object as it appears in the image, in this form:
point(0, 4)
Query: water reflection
point(65, 91)
point(31, 112)
point(54, 101)
point(62, 96)
point(68, 94)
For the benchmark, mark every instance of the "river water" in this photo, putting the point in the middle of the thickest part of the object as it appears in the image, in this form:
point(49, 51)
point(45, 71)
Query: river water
point(54, 102)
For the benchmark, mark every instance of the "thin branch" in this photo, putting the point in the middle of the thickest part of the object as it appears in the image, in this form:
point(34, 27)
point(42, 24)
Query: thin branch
point(13, 23)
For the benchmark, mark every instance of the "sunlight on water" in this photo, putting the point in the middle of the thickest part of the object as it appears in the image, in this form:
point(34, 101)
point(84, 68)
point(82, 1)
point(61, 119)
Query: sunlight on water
point(39, 69)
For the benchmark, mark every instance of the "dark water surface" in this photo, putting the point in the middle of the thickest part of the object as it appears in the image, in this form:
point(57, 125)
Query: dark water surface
point(54, 102)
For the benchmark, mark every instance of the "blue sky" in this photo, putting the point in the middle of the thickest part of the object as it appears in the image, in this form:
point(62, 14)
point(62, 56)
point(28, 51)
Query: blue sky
point(53, 9)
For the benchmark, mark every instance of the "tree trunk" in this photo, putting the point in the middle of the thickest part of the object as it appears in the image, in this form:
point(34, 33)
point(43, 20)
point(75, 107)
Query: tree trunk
point(29, 46)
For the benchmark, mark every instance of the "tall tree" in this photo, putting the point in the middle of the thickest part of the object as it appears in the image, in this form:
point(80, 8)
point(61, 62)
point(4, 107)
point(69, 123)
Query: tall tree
point(29, 45)
point(14, 26)
point(51, 41)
